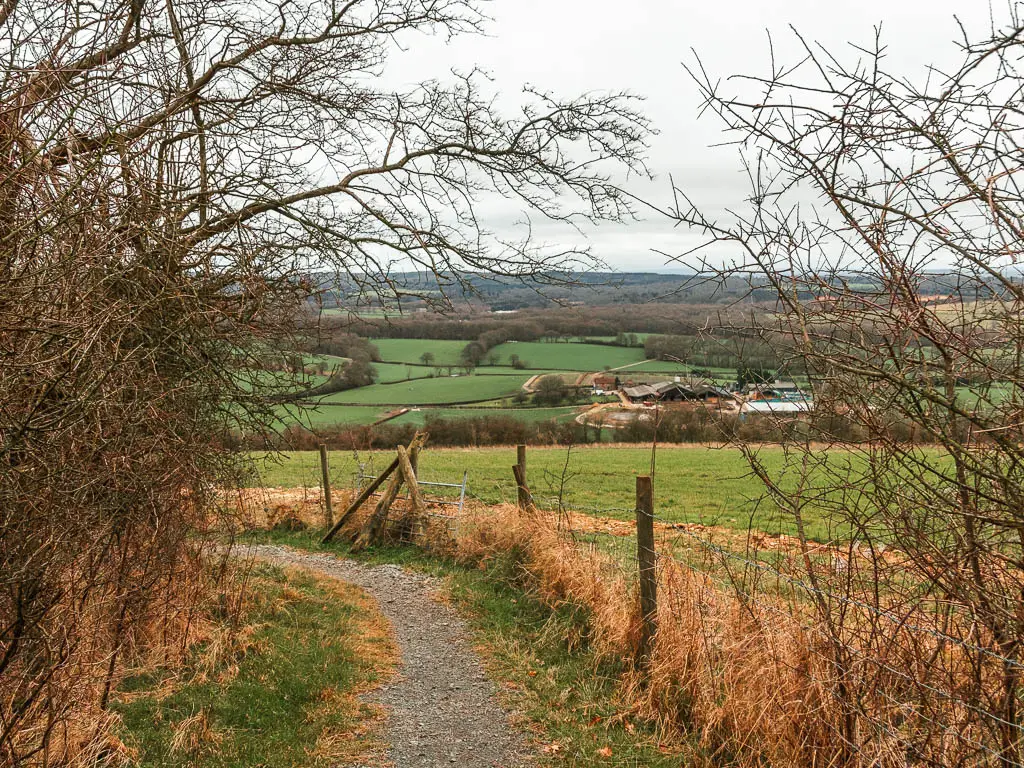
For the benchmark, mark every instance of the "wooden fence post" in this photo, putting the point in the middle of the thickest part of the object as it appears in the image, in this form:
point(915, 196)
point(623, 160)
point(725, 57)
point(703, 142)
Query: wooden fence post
point(647, 559)
point(522, 494)
point(367, 492)
point(325, 471)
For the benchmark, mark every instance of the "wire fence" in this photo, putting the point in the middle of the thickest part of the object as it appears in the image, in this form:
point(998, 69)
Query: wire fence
point(778, 649)
point(833, 652)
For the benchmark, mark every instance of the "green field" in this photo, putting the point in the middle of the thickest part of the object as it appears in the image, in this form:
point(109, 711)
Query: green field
point(445, 352)
point(692, 483)
point(679, 369)
point(419, 416)
point(640, 337)
point(567, 356)
point(387, 372)
point(331, 415)
point(280, 381)
point(985, 397)
point(432, 391)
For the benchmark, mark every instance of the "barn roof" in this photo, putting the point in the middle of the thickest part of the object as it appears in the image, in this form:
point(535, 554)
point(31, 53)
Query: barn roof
point(641, 390)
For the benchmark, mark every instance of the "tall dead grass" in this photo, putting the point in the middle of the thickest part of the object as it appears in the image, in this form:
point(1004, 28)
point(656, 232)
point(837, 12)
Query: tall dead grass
point(747, 676)
point(753, 665)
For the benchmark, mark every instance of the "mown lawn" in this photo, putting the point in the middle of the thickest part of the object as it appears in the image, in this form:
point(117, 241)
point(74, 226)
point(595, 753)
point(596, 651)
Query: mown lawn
point(697, 484)
point(277, 691)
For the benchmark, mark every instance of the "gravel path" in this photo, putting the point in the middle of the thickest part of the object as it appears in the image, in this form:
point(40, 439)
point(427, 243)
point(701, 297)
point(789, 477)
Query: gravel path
point(442, 707)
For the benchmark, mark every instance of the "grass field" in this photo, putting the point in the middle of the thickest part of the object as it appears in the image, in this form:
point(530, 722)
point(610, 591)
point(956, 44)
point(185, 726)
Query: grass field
point(567, 356)
point(528, 415)
point(692, 484)
point(432, 391)
point(445, 352)
point(387, 372)
point(332, 415)
point(355, 415)
point(679, 369)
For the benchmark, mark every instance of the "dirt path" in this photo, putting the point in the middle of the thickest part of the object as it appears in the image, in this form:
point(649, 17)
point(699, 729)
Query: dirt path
point(443, 710)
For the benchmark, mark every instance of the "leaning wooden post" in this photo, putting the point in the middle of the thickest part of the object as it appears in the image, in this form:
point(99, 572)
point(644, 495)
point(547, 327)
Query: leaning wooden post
point(647, 559)
point(407, 463)
point(375, 523)
point(367, 492)
point(325, 471)
point(522, 494)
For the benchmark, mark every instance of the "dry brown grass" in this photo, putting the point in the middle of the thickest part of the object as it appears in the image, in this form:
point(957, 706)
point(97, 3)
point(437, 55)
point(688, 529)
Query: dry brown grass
point(744, 671)
point(194, 736)
point(747, 677)
point(163, 631)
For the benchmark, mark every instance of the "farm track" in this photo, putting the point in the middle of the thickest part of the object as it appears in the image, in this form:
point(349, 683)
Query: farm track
point(442, 708)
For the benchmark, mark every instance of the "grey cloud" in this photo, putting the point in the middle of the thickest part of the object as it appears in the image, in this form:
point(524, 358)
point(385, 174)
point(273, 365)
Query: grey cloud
point(569, 46)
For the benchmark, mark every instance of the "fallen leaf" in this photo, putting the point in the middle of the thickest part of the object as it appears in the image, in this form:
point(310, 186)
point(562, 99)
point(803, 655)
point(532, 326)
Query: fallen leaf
point(604, 752)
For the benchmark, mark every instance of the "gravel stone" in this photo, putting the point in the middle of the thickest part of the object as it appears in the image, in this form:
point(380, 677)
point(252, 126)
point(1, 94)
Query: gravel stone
point(442, 707)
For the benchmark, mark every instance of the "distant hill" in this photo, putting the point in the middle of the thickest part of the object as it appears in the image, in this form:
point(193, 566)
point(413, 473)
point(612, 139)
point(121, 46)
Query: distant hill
point(486, 292)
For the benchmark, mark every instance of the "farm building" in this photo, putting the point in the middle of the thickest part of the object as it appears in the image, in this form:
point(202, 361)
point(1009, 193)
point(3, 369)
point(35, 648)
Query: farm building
point(710, 393)
point(675, 392)
point(641, 393)
point(801, 405)
point(771, 390)
point(606, 381)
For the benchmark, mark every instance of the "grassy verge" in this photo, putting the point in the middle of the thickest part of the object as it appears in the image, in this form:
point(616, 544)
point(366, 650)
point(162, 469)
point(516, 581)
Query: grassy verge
point(540, 659)
point(279, 690)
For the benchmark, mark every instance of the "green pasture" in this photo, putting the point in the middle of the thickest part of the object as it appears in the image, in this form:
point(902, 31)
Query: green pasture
point(331, 415)
point(640, 337)
point(567, 356)
point(680, 369)
point(387, 372)
point(315, 417)
point(331, 361)
point(983, 397)
point(252, 379)
point(694, 484)
point(419, 416)
point(431, 391)
point(445, 351)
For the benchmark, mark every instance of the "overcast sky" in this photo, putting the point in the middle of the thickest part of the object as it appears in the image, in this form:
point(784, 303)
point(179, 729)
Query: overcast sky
point(571, 46)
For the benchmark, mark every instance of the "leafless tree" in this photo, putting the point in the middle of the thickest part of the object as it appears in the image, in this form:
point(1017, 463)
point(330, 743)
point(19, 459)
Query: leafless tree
point(171, 173)
point(885, 216)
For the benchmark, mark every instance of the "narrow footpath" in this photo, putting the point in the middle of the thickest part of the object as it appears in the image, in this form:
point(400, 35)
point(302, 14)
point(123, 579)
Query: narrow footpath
point(442, 708)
